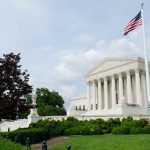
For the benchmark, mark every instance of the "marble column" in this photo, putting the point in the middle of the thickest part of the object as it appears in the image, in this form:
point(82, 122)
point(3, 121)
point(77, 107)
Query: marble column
point(129, 89)
point(144, 89)
point(138, 88)
point(106, 93)
point(120, 88)
point(94, 94)
point(88, 95)
point(99, 94)
point(113, 93)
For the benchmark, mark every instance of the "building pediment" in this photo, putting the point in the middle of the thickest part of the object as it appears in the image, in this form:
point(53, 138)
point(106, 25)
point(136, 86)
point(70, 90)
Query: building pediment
point(110, 63)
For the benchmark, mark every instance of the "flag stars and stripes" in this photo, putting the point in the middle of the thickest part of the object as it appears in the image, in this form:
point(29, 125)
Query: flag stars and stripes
point(133, 24)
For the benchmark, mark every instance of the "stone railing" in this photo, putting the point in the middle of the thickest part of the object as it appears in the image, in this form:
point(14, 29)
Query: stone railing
point(106, 117)
point(53, 117)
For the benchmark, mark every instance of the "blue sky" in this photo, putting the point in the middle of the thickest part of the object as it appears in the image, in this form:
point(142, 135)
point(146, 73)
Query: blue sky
point(60, 40)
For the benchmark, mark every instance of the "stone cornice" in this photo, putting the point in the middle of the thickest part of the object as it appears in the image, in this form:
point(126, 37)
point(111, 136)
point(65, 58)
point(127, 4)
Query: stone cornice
point(79, 98)
point(109, 59)
point(131, 60)
point(110, 68)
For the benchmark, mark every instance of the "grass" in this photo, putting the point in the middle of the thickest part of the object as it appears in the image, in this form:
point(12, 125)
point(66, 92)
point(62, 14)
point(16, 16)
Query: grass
point(8, 145)
point(107, 142)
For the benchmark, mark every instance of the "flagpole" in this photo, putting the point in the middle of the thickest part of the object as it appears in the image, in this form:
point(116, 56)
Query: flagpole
point(145, 53)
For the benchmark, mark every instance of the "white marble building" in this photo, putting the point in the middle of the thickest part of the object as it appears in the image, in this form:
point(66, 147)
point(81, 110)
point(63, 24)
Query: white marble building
point(116, 87)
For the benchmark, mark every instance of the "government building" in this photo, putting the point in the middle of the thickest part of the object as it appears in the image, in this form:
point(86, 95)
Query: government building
point(116, 87)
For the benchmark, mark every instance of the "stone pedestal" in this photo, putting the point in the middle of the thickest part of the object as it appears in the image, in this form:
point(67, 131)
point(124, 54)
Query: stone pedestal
point(33, 116)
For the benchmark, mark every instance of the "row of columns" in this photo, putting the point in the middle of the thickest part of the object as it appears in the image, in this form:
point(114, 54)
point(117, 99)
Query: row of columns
point(102, 93)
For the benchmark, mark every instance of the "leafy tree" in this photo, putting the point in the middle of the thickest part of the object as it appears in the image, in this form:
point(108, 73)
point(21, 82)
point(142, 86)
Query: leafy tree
point(49, 103)
point(28, 98)
point(13, 85)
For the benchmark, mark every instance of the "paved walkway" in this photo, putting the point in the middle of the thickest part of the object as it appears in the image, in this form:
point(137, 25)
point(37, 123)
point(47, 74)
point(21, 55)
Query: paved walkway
point(51, 142)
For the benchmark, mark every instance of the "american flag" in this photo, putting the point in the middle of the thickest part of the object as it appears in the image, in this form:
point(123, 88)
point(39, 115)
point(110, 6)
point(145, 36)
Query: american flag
point(133, 24)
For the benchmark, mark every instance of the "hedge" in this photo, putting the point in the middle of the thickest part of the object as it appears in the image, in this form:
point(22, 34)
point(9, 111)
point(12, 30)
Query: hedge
point(146, 129)
point(44, 129)
point(35, 135)
point(72, 126)
point(120, 130)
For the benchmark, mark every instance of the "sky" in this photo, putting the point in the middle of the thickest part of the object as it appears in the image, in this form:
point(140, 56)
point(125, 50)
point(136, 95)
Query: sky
point(60, 40)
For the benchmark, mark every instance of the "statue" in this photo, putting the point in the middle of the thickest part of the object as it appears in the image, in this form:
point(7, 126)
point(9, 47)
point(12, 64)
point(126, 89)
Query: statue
point(33, 116)
point(34, 101)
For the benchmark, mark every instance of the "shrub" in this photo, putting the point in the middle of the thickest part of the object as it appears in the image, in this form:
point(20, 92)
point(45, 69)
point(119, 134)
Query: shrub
point(129, 122)
point(90, 129)
point(129, 118)
point(44, 124)
point(120, 130)
point(73, 131)
point(100, 124)
point(72, 126)
point(71, 119)
point(98, 121)
point(142, 122)
point(135, 130)
point(146, 129)
point(87, 129)
point(111, 123)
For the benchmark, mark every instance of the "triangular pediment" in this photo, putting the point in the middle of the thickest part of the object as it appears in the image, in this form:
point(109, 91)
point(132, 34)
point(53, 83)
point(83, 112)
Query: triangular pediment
point(110, 63)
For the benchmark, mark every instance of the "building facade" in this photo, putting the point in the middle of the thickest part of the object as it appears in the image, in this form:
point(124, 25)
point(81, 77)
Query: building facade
point(115, 87)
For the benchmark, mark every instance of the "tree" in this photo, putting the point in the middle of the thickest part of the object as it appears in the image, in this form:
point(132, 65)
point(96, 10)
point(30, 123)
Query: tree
point(13, 85)
point(25, 109)
point(49, 103)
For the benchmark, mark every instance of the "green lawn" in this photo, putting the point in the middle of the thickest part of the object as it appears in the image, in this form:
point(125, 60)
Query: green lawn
point(8, 145)
point(107, 142)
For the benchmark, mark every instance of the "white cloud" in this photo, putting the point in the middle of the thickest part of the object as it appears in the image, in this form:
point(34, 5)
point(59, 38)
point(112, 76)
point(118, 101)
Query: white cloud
point(59, 44)
point(67, 91)
point(63, 73)
point(72, 67)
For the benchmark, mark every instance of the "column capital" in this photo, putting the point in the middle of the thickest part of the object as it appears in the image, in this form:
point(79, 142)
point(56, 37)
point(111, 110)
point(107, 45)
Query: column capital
point(120, 74)
point(99, 80)
point(113, 76)
point(137, 70)
point(93, 81)
point(105, 79)
point(128, 72)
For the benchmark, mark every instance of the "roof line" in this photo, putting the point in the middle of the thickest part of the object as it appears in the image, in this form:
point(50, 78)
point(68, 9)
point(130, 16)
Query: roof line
point(113, 58)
